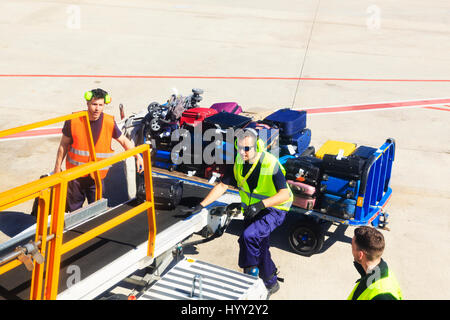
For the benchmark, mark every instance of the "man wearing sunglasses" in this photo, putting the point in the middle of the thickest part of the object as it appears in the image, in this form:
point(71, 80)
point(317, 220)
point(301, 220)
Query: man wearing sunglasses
point(265, 200)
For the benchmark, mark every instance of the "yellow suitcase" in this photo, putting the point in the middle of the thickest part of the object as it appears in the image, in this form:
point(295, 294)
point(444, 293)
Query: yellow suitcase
point(333, 147)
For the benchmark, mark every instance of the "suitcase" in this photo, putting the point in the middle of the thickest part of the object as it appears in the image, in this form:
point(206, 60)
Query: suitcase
point(165, 165)
point(304, 202)
point(364, 152)
point(285, 158)
point(163, 159)
point(340, 187)
point(350, 167)
point(301, 188)
point(228, 152)
point(197, 170)
point(288, 121)
point(167, 193)
point(334, 147)
point(231, 107)
point(304, 169)
point(287, 150)
point(310, 151)
point(214, 168)
point(226, 120)
point(337, 206)
point(196, 115)
point(301, 140)
point(269, 135)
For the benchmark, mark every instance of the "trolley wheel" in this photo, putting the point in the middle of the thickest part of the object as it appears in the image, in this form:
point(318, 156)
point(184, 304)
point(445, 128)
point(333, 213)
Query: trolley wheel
point(154, 124)
point(306, 238)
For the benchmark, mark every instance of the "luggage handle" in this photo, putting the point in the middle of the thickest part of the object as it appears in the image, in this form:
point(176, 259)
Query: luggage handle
point(235, 108)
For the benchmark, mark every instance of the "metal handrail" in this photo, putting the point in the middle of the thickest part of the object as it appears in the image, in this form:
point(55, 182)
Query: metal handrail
point(79, 114)
point(59, 182)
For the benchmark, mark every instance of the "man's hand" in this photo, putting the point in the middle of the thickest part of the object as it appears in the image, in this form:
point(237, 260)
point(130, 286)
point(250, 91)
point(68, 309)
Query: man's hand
point(251, 211)
point(139, 164)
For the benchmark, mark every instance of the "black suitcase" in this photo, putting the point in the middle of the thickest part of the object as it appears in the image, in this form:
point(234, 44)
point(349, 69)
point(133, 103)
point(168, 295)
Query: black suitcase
point(226, 120)
point(167, 193)
point(304, 169)
point(364, 152)
point(350, 167)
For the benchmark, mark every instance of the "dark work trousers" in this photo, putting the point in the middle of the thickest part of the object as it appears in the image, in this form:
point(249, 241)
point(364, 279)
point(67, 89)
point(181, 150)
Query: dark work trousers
point(254, 244)
point(78, 190)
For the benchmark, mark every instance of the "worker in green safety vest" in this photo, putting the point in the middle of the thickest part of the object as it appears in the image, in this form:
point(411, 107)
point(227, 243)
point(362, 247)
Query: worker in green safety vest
point(265, 200)
point(377, 281)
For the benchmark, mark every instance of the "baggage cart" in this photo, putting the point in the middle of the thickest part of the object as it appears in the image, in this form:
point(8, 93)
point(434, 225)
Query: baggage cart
point(307, 235)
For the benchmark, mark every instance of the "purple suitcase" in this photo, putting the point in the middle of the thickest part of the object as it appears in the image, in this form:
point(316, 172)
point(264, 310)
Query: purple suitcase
point(303, 188)
point(304, 202)
point(231, 107)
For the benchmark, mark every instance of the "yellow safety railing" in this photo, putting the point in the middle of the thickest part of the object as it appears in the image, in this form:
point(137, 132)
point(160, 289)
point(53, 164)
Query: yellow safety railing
point(87, 126)
point(54, 239)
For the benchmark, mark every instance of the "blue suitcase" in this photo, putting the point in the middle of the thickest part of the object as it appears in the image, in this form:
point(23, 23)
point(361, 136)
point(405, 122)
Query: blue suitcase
point(288, 121)
point(364, 152)
point(301, 140)
point(162, 159)
point(337, 206)
point(165, 165)
point(340, 187)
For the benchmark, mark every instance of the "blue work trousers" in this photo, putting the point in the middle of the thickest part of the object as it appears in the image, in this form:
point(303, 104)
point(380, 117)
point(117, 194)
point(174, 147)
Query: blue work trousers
point(254, 243)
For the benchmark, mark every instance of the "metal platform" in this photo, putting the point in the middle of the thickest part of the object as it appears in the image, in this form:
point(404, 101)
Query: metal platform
point(192, 279)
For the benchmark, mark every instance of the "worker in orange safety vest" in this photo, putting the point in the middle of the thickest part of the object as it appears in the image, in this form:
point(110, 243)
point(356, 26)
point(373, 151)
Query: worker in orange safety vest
point(74, 147)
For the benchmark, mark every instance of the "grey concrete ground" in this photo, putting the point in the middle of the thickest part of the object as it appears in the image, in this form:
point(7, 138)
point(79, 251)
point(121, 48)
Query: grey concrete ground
point(403, 40)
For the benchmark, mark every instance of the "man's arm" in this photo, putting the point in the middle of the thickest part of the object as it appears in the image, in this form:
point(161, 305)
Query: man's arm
point(215, 193)
point(128, 144)
point(62, 152)
point(281, 196)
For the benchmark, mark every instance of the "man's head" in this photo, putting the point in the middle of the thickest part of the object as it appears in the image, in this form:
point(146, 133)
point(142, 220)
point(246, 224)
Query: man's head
point(96, 100)
point(367, 244)
point(246, 144)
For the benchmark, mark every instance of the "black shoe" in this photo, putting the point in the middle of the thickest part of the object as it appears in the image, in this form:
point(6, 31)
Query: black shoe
point(274, 288)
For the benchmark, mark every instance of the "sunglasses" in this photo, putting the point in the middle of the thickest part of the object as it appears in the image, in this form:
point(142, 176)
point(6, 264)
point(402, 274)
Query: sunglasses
point(246, 148)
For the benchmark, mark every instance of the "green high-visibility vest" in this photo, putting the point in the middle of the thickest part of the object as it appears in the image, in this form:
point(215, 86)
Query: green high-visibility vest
point(265, 187)
point(388, 284)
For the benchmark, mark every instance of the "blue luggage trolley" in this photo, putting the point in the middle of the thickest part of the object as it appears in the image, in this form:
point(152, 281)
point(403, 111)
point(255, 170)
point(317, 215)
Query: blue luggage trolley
point(307, 236)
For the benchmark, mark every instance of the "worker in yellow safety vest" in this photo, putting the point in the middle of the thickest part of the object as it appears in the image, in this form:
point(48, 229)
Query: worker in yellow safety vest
point(265, 200)
point(74, 147)
point(377, 281)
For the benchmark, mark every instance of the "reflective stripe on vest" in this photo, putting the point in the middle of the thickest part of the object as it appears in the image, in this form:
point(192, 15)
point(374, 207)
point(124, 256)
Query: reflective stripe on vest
point(387, 284)
point(265, 187)
point(79, 154)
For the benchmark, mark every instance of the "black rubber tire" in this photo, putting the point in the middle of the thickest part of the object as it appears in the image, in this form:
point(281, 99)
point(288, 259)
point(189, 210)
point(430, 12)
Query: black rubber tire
point(306, 238)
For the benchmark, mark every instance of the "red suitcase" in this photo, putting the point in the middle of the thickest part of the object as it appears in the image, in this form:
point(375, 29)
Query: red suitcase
point(196, 115)
point(215, 168)
point(304, 202)
point(303, 188)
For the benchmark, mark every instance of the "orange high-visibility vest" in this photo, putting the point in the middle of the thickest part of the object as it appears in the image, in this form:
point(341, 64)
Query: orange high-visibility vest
point(78, 153)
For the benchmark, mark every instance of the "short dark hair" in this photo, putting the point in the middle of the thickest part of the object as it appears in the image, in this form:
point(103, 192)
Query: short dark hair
point(371, 241)
point(98, 93)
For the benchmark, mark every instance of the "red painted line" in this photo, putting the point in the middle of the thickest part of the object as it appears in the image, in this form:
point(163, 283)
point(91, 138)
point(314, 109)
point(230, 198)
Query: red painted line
point(34, 133)
point(213, 77)
point(374, 106)
point(437, 108)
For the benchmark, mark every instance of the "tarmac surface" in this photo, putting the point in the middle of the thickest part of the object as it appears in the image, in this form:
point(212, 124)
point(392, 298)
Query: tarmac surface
point(263, 55)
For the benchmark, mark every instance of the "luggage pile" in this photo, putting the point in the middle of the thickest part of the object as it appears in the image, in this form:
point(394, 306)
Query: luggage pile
point(328, 180)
